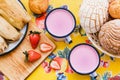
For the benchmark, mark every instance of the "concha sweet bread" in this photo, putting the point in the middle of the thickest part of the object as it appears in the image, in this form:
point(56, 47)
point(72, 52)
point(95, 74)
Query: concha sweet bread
point(114, 9)
point(93, 14)
point(109, 36)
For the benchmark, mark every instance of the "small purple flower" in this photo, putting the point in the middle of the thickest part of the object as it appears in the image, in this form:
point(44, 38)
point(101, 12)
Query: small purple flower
point(52, 56)
point(64, 6)
point(61, 76)
point(50, 7)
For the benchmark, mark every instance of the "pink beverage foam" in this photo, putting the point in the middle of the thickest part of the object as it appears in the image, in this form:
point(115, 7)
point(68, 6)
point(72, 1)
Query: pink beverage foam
point(60, 22)
point(84, 59)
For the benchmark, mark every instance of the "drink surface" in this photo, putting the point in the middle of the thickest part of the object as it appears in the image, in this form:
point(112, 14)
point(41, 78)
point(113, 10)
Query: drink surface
point(60, 22)
point(84, 59)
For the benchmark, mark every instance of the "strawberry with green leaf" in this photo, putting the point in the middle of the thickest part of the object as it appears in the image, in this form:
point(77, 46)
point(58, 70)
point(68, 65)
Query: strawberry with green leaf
point(34, 38)
point(32, 55)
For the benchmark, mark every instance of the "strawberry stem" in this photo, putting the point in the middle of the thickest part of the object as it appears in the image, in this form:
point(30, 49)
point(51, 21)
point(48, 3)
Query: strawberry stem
point(26, 56)
point(50, 61)
point(34, 32)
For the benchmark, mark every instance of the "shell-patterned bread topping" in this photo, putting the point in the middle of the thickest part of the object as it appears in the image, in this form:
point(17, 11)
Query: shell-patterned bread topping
point(109, 36)
point(93, 14)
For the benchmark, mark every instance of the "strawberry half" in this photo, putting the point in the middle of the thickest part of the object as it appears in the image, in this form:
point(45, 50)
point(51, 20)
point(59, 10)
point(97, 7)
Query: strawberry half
point(45, 47)
point(55, 65)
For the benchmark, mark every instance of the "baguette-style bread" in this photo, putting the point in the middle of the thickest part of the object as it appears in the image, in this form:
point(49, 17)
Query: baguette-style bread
point(7, 31)
point(14, 13)
point(3, 44)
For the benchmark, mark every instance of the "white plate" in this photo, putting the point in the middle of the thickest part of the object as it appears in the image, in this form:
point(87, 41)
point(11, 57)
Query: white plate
point(13, 45)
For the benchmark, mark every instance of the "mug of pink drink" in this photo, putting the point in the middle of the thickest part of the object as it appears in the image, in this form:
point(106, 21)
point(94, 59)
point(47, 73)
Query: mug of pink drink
point(60, 23)
point(84, 59)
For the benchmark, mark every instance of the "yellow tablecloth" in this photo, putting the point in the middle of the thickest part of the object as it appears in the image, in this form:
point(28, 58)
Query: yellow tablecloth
point(110, 65)
point(108, 68)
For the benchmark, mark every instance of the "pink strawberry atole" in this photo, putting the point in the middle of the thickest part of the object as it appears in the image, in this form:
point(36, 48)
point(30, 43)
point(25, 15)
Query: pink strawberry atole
point(60, 22)
point(84, 59)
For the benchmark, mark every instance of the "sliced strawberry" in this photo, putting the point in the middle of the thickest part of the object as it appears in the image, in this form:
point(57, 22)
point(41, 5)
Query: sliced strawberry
point(47, 69)
point(59, 60)
point(40, 21)
point(55, 65)
point(45, 47)
point(44, 64)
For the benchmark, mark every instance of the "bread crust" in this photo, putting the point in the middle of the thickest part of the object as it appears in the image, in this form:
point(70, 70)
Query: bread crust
point(109, 36)
point(114, 9)
point(38, 6)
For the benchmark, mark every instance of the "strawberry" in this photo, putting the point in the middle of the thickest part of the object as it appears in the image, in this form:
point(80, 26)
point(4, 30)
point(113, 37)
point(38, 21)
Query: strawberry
point(47, 69)
point(40, 21)
point(114, 78)
point(34, 38)
point(88, 41)
point(106, 64)
point(32, 56)
point(62, 62)
point(59, 60)
point(44, 64)
point(45, 47)
point(55, 65)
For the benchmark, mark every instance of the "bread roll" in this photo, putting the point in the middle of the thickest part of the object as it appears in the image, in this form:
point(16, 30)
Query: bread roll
point(109, 36)
point(14, 13)
point(114, 9)
point(38, 6)
point(7, 31)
